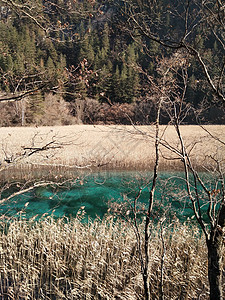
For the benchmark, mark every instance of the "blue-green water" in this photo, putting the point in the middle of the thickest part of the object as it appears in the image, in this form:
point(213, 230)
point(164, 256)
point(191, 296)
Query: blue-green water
point(96, 193)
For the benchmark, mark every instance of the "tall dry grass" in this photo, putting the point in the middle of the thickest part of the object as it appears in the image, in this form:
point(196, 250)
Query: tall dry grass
point(68, 259)
point(122, 147)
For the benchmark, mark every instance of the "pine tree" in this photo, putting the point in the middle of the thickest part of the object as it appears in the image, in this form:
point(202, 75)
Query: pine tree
point(116, 85)
point(18, 66)
point(105, 38)
point(86, 50)
point(29, 50)
point(123, 84)
point(35, 109)
point(9, 63)
point(50, 66)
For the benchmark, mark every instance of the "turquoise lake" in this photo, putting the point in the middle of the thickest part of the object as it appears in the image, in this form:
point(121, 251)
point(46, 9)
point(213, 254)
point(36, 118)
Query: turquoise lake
point(97, 192)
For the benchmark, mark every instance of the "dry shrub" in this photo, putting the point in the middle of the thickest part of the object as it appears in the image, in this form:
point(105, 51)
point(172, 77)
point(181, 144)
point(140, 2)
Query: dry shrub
point(115, 114)
point(38, 110)
point(10, 114)
point(90, 111)
point(67, 259)
point(145, 111)
point(55, 112)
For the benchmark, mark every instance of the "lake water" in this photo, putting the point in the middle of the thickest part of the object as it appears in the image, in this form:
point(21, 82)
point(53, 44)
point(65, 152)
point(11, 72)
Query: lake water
point(98, 192)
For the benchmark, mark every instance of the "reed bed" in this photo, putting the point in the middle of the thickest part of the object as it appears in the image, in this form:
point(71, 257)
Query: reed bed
point(121, 147)
point(32, 172)
point(69, 259)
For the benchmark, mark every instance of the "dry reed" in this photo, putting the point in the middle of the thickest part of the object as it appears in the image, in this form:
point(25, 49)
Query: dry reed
point(68, 259)
point(123, 147)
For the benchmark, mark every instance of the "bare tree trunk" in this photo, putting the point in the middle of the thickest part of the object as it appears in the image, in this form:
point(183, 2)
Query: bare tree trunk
point(150, 205)
point(214, 239)
point(215, 267)
point(23, 108)
point(215, 246)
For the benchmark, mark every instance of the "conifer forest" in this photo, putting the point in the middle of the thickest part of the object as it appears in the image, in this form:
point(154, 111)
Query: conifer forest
point(88, 61)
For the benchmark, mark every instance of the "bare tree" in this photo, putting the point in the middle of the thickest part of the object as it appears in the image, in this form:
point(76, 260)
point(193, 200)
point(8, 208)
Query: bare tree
point(149, 19)
point(200, 194)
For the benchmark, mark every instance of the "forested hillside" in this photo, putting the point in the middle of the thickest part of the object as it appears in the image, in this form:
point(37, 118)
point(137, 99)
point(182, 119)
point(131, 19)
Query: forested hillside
point(79, 62)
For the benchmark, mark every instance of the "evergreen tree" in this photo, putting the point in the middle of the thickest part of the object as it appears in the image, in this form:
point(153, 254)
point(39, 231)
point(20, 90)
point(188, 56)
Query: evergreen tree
point(18, 65)
point(115, 86)
point(34, 111)
point(50, 66)
point(105, 38)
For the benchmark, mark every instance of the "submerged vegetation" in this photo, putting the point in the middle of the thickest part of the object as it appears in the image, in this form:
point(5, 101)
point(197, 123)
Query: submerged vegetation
point(68, 259)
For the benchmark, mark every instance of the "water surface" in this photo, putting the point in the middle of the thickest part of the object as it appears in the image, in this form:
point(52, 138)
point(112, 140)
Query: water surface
point(97, 193)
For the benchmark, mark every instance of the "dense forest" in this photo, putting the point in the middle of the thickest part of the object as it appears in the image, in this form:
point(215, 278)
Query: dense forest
point(79, 62)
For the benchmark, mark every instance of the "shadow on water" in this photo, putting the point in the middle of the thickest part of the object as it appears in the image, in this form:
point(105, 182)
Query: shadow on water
point(96, 193)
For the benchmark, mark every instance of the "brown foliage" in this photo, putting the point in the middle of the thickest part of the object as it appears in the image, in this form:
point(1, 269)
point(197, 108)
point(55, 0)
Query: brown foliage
point(9, 113)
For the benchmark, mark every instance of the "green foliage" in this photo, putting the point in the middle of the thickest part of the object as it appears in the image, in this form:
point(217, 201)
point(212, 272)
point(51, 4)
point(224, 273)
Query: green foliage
point(35, 108)
point(30, 58)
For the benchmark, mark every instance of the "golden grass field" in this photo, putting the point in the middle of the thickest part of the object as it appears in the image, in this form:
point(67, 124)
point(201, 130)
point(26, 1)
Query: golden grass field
point(124, 147)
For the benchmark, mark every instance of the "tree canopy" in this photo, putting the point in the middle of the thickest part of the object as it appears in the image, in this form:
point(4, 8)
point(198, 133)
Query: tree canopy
point(43, 45)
